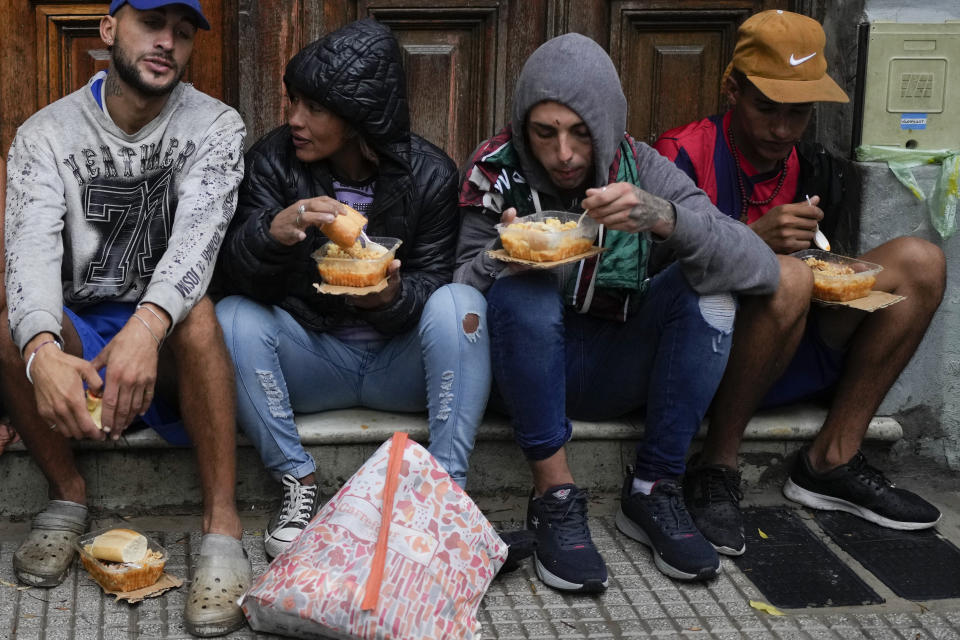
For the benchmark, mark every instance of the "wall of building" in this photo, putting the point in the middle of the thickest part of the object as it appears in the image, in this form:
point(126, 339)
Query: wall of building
point(926, 398)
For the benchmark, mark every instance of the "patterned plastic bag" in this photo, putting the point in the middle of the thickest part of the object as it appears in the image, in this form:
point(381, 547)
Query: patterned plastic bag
point(420, 575)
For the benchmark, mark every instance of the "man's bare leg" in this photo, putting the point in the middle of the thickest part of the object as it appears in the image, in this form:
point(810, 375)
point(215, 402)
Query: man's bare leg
point(44, 557)
point(766, 334)
point(881, 345)
point(208, 407)
point(50, 450)
point(551, 472)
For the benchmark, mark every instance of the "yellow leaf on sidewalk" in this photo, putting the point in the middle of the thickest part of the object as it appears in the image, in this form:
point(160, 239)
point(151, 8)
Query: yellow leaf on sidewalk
point(763, 606)
point(762, 534)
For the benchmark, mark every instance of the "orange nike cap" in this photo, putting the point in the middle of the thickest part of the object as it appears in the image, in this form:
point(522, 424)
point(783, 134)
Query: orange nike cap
point(782, 54)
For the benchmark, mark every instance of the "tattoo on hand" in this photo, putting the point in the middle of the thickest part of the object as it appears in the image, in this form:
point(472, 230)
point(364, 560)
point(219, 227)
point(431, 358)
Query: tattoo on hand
point(651, 209)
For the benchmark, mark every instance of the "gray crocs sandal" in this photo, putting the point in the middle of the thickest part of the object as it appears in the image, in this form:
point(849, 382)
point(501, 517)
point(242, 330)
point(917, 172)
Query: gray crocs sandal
point(45, 557)
point(221, 576)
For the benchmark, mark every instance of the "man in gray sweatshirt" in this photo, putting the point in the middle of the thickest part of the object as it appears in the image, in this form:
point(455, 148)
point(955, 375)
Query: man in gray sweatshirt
point(609, 335)
point(118, 196)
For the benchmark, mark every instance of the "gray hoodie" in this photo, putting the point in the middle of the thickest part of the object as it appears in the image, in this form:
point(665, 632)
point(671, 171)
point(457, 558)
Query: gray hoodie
point(717, 254)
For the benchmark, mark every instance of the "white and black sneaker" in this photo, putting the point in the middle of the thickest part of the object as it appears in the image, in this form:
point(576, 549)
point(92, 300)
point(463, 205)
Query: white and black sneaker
point(858, 488)
point(565, 557)
point(300, 503)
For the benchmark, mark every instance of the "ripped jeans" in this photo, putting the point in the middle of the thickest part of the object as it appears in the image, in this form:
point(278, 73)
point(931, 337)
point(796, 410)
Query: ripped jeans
point(282, 367)
point(550, 362)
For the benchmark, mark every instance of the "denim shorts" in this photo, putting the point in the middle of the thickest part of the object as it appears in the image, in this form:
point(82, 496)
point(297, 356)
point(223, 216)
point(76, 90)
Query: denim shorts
point(97, 325)
point(811, 374)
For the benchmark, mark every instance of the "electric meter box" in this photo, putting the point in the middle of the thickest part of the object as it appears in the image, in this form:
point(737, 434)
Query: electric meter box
point(911, 90)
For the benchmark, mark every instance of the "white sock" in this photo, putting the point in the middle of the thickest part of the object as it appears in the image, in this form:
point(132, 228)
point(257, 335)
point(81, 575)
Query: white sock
point(641, 486)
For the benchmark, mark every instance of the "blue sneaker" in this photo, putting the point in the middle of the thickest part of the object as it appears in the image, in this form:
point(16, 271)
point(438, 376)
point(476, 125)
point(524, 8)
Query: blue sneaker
point(565, 556)
point(661, 521)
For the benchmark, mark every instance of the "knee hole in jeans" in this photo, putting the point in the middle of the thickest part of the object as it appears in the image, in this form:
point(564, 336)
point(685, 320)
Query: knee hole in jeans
point(471, 325)
point(719, 311)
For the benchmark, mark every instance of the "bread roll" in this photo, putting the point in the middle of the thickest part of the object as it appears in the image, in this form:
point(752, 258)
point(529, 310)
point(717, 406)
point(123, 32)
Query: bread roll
point(95, 407)
point(119, 545)
point(346, 228)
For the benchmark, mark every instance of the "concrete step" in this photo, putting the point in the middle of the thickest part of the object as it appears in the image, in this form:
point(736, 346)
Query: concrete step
point(140, 472)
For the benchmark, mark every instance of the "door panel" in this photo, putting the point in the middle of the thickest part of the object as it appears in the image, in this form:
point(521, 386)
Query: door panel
point(462, 58)
point(50, 49)
point(69, 48)
point(450, 60)
point(671, 61)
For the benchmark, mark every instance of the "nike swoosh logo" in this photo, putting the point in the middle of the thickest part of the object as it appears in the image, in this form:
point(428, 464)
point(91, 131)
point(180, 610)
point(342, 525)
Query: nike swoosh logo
point(795, 61)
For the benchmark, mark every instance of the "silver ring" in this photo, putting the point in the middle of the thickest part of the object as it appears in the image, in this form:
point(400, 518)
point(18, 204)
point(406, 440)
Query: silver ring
point(300, 210)
point(53, 427)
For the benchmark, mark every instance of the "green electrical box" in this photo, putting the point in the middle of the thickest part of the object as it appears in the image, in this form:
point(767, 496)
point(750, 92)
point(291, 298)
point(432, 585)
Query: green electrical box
point(911, 91)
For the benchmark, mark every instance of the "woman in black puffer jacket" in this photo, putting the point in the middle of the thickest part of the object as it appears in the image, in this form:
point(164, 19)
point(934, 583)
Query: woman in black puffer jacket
point(420, 342)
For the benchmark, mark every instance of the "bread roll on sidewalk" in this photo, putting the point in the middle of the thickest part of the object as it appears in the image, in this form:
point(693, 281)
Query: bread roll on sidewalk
point(119, 545)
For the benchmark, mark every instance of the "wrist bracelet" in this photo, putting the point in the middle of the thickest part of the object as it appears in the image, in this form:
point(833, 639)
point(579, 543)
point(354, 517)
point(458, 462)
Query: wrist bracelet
point(149, 330)
point(33, 354)
point(155, 315)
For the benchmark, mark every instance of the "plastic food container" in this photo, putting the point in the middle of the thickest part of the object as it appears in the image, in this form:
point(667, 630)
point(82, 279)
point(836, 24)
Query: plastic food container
point(540, 237)
point(366, 267)
point(123, 576)
point(838, 278)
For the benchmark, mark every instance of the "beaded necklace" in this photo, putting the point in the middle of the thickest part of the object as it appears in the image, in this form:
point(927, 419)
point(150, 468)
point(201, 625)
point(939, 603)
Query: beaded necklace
point(745, 202)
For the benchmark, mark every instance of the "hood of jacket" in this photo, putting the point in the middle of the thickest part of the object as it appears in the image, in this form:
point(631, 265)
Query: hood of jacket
point(357, 73)
point(576, 72)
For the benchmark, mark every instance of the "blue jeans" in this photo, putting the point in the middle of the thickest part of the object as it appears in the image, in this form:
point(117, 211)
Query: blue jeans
point(549, 362)
point(283, 367)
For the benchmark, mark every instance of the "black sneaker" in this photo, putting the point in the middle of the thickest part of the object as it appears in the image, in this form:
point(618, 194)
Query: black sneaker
point(300, 504)
point(860, 489)
point(661, 521)
point(520, 545)
point(712, 493)
point(565, 556)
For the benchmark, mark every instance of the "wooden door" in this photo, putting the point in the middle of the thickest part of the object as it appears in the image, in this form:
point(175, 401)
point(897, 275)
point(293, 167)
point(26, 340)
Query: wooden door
point(50, 48)
point(671, 57)
point(462, 57)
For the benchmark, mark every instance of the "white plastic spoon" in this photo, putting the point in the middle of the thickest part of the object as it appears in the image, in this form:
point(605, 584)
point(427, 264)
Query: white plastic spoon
point(818, 238)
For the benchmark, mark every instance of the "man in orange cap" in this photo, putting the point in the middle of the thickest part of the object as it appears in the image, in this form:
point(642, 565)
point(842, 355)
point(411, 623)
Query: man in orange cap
point(751, 163)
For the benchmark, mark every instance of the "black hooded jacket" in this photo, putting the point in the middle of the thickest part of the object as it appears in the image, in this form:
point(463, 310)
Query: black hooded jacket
point(356, 73)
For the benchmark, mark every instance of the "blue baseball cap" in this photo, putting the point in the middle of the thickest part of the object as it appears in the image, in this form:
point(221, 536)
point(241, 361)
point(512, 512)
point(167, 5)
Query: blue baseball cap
point(145, 5)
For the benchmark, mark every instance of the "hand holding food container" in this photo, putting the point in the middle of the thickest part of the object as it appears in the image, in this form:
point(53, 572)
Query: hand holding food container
point(356, 266)
point(546, 238)
point(837, 278)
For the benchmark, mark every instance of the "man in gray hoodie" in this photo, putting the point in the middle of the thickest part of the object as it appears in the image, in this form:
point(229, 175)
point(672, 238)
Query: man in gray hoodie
point(118, 198)
point(606, 336)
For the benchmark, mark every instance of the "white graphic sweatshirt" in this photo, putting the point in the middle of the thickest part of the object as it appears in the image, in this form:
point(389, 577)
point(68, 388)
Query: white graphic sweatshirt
point(94, 214)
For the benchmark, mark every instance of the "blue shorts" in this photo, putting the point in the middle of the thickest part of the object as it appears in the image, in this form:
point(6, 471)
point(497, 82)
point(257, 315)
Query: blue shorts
point(814, 370)
point(97, 325)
